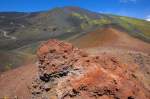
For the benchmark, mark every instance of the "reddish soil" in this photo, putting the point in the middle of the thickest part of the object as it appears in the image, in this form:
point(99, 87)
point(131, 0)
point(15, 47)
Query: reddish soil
point(65, 72)
point(111, 37)
point(14, 83)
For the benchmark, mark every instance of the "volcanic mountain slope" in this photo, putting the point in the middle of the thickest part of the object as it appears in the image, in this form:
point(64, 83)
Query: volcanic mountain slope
point(27, 28)
point(65, 72)
point(111, 37)
point(32, 27)
point(22, 32)
point(10, 60)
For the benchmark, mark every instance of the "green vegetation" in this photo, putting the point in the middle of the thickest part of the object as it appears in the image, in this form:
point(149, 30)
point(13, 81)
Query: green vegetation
point(142, 25)
point(10, 60)
point(135, 27)
point(89, 22)
point(78, 15)
point(60, 24)
point(8, 67)
point(138, 28)
point(101, 21)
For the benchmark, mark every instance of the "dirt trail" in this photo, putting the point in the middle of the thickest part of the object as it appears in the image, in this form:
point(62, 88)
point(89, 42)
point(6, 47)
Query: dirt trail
point(7, 36)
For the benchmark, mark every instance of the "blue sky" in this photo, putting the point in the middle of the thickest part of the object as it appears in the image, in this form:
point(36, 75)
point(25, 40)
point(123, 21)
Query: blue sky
point(132, 8)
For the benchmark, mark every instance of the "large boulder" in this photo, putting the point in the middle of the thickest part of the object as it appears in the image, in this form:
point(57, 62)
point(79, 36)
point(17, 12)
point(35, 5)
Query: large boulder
point(67, 72)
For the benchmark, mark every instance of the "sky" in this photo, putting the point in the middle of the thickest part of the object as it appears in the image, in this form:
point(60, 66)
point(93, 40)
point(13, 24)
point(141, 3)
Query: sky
point(131, 8)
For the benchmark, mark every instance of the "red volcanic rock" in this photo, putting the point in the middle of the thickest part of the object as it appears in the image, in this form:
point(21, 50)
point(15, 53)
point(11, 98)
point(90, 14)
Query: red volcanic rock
point(66, 72)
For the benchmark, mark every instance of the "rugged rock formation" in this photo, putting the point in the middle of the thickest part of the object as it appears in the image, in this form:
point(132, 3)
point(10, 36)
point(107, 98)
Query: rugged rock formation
point(66, 72)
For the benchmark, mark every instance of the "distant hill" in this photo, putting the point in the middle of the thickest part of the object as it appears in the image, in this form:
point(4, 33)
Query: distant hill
point(111, 37)
point(23, 32)
point(32, 27)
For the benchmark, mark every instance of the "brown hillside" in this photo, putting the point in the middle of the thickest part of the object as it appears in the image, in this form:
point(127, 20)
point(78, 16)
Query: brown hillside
point(15, 83)
point(66, 72)
point(111, 37)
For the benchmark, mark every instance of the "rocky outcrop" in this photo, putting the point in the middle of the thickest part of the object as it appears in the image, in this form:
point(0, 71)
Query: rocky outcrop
point(66, 72)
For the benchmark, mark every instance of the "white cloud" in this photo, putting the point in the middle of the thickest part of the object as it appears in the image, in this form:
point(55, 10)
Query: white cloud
point(147, 18)
point(125, 1)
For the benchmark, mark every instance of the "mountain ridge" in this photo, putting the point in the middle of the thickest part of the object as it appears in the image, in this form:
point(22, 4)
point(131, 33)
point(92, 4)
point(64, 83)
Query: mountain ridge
point(64, 23)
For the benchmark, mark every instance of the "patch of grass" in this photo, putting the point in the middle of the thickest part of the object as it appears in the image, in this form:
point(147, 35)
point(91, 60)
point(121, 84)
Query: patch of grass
point(135, 27)
point(141, 25)
point(10, 60)
point(90, 22)
point(8, 67)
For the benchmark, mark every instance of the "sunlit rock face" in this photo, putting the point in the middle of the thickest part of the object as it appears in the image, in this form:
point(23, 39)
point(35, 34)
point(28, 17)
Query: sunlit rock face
point(67, 72)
